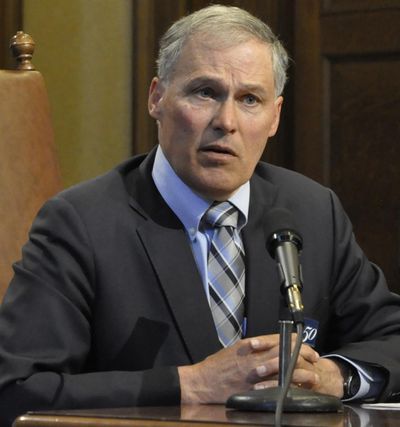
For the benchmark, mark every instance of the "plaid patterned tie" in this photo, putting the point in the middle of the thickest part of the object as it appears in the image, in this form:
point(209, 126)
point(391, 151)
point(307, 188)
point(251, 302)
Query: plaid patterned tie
point(226, 272)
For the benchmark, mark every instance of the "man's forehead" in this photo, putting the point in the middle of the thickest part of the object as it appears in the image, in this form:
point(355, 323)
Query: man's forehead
point(200, 53)
point(202, 63)
point(222, 42)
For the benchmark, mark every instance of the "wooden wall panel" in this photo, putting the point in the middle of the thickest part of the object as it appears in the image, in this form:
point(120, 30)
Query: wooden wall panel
point(10, 23)
point(309, 127)
point(361, 33)
point(151, 18)
point(332, 6)
point(347, 126)
point(365, 160)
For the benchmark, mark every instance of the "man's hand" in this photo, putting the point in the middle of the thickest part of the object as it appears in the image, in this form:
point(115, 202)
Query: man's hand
point(254, 363)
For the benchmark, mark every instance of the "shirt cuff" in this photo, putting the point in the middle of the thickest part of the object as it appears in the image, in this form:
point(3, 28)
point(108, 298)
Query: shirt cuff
point(370, 385)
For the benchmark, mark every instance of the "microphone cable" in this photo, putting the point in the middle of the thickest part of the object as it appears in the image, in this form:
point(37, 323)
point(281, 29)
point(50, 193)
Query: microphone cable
point(289, 374)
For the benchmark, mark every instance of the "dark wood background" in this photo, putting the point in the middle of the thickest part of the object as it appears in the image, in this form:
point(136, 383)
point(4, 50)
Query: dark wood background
point(10, 23)
point(340, 121)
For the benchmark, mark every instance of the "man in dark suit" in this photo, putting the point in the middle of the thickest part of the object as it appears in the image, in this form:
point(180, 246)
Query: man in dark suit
point(113, 301)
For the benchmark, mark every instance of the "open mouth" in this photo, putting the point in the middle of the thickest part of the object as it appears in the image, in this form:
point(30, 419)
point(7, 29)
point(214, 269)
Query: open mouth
point(218, 149)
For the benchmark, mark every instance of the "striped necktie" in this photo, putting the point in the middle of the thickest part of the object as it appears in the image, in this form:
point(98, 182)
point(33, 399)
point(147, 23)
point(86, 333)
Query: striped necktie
point(226, 272)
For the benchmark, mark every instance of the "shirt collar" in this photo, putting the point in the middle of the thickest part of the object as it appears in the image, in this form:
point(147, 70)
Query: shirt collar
point(187, 205)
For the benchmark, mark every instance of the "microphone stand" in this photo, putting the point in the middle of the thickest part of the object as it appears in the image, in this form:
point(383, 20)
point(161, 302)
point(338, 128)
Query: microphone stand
point(285, 348)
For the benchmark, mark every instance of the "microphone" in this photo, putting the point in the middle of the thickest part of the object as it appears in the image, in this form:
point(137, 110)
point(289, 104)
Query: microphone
point(284, 244)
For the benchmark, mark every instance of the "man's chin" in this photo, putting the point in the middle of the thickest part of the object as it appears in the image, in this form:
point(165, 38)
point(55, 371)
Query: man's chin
point(215, 188)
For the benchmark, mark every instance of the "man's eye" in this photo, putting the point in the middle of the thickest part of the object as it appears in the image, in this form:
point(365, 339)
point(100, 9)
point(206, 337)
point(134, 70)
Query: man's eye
point(250, 99)
point(205, 92)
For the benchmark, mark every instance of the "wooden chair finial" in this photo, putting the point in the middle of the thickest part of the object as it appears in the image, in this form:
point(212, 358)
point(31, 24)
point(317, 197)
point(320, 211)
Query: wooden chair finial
point(22, 47)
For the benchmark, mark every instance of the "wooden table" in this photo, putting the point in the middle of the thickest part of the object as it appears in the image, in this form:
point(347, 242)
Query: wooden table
point(205, 415)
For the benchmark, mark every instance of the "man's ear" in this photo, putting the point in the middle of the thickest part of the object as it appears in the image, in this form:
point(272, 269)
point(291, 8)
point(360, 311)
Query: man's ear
point(277, 115)
point(155, 95)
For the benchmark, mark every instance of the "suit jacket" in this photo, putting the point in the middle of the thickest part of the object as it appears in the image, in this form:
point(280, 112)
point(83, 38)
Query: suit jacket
point(107, 300)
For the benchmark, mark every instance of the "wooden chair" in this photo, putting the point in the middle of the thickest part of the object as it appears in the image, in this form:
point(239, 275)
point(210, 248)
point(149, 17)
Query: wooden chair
point(29, 172)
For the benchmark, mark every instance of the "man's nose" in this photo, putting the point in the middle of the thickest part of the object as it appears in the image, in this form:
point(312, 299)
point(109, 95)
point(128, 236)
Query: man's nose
point(225, 117)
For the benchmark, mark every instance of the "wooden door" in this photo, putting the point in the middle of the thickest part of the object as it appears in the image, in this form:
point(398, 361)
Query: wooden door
point(346, 116)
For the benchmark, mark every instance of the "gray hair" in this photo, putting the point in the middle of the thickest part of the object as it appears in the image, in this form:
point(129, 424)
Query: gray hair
point(230, 23)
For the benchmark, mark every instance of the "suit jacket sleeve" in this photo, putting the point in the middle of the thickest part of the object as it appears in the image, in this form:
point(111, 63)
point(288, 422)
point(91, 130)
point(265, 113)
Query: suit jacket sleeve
point(365, 315)
point(46, 337)
point(345, 296)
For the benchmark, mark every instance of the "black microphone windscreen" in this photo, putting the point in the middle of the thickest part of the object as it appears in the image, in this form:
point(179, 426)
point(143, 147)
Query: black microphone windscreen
point(280, 224)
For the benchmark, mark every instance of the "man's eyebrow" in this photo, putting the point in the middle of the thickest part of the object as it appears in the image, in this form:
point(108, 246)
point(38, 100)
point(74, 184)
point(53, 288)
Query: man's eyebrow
point(204, 80)
point(201, 80)
point(254, 88)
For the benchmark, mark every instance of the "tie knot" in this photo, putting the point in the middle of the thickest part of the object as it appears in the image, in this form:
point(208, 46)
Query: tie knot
point(221, 214)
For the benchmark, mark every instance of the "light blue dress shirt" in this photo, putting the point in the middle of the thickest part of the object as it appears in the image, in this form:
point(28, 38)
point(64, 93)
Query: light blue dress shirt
point(190, 207)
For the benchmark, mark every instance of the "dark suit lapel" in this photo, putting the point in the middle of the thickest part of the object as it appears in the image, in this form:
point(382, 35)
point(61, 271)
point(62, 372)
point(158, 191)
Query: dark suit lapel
point(262, 286)
point(177, 272)
point(169, 251)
